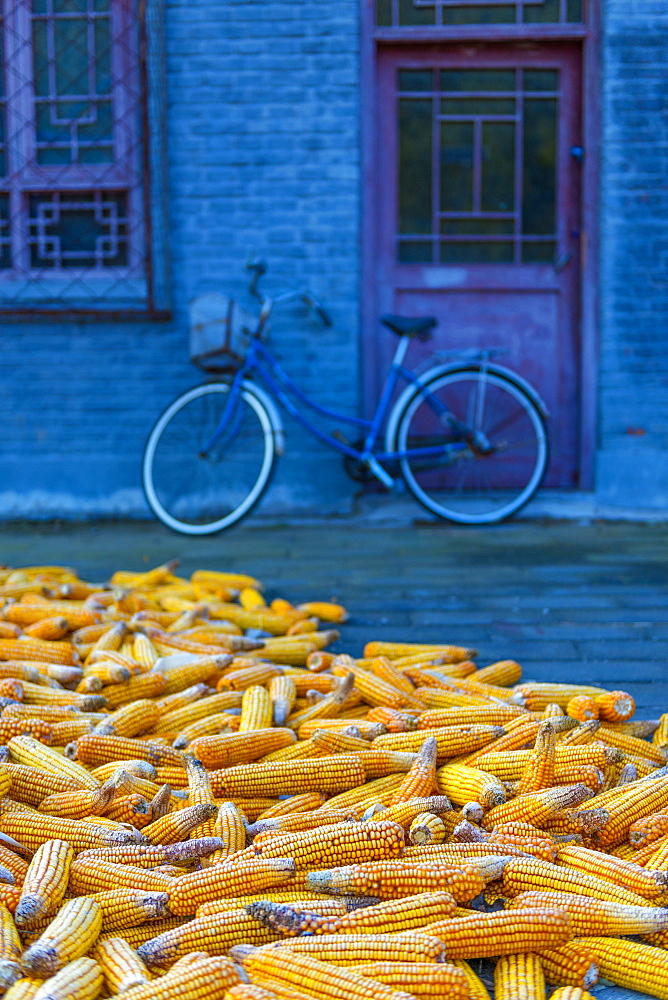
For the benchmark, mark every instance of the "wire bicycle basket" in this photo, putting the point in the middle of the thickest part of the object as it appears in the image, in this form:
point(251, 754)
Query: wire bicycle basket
point(220, 332)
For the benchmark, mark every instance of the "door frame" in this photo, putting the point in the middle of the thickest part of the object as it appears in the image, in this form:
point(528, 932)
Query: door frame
point(589, 37)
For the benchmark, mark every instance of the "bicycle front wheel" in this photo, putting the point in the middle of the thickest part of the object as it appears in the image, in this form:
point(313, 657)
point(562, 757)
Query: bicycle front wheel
point(197, 481)
point(460, 484)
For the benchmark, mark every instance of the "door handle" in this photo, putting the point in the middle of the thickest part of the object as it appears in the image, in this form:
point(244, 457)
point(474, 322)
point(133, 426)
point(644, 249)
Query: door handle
point(562, 260)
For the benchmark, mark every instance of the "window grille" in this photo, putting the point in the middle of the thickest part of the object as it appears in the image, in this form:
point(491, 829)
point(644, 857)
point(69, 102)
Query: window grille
point(72, 184)
point(442, 13)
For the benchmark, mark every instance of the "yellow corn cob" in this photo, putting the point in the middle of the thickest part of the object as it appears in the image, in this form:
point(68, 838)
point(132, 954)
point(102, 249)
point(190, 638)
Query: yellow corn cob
point(505, 932)
point(14, 864)
point(325, 708)
point(70, 935)
point(571, 993)
point(539, 772)
point(144, 932)
point(660, 737)
point(427, 829)
point(572, 964)
point(143, 686)
point(143, 651)
point(10, 950)
point(94, 875)
point(585, 822)
point(451, 741)
point(199, 792)
point(394, 880)
point(81, 979)
point(283, 693)
point(130, 720)
point(63, 733)
point(124, 907)
point(177, 826)
point(615, 706)
point(94, 750)
point(240, 748)
point(552, 711)
point(629, 804)
point(320, 980)
point(476, 987)
point(648, 829)
point(177, 719)
point(76, 805)
point(34, 829)
point(421, 979)
point(630, 964)
point(648, 884)
point(536, 807)
point(355, 948)
point(27, 751)
point(228, 824)
point(596, 917)
point(582, 735)
point(519, 977)
point(526, 874)
point(239, 879)
point(248, 676)
point(215, 934)
point(339, 844)
point(133, 809)
point(421, 779)
point(464, 784)
point(212, 725)
point(538, 694)
point(459, 716)
point(394, 650)
point(48, 628)
point(45, 883)
point(406, 812)
point(434, 698)
point(326, 774)
point(582, 707)
point(631, 745)
point(121, 967)
point(39, 650)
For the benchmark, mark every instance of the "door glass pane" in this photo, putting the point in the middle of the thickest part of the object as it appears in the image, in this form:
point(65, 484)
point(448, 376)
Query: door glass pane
point(456, 161)
point(478, 79)
point(398, 13)
point(498, 167)
point(539, 166)
point(479, 183)
point(415, 165)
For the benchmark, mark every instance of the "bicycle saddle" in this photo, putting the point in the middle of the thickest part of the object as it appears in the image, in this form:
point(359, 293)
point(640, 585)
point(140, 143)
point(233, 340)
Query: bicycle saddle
point(410, 326)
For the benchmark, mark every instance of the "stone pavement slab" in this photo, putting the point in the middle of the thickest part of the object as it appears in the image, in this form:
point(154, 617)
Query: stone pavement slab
point(585, 603)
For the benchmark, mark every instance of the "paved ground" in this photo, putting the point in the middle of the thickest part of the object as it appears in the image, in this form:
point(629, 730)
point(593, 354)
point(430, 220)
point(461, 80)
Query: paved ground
point(577, 602)
point(570, 601)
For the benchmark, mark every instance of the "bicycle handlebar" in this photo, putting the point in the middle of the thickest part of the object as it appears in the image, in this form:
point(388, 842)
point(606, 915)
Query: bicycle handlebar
point(259, 268)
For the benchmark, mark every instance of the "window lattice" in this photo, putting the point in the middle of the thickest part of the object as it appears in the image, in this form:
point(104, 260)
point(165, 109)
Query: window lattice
point(435, 13)
point(71, 166)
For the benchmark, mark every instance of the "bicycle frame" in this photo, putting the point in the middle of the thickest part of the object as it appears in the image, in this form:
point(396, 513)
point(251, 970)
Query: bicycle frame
point(262, 364)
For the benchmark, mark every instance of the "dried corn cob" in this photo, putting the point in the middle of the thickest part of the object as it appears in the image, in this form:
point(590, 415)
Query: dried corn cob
point(215, 934)
point(240, 748)
point(121, 967)
point(10, 950)
point(45, 883)
point(94, 875)
point(465, 784)
point(27, 751)
point(395, 879)
point(526, 874)
point(615, 706)
point(596, 917)
point(536, 807)
point(227, 879)
point(630, 964)
point(648, 884)
point(81, 979)
point(70, 935)
point(539, 772)
point(340, 844)
point(519, 977)
point(321, 980)
point(34, 829)
point(427, 828)
point(150, 856)
point(326, 774)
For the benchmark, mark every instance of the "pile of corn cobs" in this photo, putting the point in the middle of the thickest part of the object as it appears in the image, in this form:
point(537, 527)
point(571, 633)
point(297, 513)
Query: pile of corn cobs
point(198, 800)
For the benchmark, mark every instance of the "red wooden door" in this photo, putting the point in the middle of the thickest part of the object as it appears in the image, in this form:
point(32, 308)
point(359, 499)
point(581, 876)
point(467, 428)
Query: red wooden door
point(477, 212)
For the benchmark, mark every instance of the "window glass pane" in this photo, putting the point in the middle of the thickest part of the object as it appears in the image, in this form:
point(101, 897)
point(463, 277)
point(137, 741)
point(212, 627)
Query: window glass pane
point(415, 253)
point(545, 12)
point(498, 14)
point(5, 244)
point(78, 229)
point(574, 10)
point(410, 14)
point(539, 166)
point(477, 227)
point(497, 192)
point(477, 79)
point(71, 55)
point(538, 253)
point(540, 79)
point(69, 6)
point(40, 55)
point(416, 79)
point(456, 173)
point(477, 253)
point(383, 13)
point(477, 106)
point(415, 159)
point(102, 56)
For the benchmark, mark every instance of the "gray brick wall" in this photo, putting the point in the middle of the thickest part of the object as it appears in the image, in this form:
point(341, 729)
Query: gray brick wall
point(263, 157)
point(633, 379)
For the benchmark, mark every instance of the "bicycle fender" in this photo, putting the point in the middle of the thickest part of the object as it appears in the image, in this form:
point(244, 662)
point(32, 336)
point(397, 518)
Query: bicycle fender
point(432, 373)
point(272, 410)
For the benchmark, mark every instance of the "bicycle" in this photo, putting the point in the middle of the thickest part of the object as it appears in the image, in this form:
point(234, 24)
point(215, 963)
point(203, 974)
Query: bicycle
point(466, 435)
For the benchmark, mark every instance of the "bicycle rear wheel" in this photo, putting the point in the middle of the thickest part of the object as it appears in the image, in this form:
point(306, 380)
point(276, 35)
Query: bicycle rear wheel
point(199, 490)
point(460, 485)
